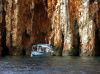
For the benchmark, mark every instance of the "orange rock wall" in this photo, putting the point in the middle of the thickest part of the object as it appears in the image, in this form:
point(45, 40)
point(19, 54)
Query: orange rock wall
point(71, 26)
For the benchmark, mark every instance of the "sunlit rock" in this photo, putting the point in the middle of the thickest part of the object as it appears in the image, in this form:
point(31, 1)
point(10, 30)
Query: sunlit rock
point(71, 26)
point(86, 30)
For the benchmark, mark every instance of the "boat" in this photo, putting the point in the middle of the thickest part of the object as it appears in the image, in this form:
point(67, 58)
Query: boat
point(41, 49)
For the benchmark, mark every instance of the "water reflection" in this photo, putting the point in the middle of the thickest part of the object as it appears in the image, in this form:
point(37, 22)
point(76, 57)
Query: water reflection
point(49, 65)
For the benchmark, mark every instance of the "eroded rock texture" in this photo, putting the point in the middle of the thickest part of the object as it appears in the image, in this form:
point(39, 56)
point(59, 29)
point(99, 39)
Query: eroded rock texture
point(71, 26)
point(11, 10)
point(41, 28)
point(0, 25)
point(86, 29)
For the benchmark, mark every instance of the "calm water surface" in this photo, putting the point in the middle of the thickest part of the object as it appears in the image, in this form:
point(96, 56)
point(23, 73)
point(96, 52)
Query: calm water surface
point(50, 65)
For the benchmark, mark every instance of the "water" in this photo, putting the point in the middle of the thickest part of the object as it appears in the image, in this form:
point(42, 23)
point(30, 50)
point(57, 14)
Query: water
point(50, 65)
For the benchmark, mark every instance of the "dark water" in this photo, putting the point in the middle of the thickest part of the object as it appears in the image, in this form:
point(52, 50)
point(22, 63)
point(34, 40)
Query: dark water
point(49, 65)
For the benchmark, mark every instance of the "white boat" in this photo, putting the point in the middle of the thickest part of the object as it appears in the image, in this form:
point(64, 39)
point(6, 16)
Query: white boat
point(36, 53)
point(41, 49)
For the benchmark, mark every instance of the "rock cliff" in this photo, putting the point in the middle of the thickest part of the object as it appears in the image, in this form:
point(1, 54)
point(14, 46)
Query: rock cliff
point(71, 26)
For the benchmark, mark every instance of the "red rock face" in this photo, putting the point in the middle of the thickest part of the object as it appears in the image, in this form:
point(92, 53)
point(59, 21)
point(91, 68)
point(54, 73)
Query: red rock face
point(72, 26)
point(41, 25)
point(73, 19)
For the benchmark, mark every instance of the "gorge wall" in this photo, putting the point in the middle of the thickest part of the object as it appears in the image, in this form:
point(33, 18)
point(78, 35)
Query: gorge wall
point(71, 26)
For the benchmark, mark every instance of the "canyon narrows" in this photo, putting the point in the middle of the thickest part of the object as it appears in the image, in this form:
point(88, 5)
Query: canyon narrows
point(71, 26)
